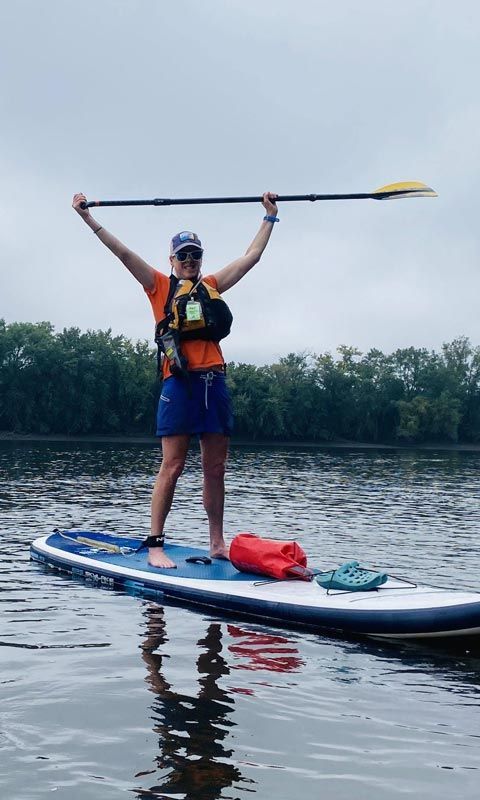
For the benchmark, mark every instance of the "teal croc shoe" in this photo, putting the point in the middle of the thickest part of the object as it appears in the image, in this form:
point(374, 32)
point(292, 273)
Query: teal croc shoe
point(351, 577)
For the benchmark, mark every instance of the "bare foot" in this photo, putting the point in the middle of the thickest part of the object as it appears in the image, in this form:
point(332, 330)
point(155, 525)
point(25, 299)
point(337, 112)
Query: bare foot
point(220, 552)
point(157, 558)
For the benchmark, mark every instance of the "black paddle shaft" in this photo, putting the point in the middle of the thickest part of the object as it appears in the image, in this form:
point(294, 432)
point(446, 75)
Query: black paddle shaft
point(289, 198)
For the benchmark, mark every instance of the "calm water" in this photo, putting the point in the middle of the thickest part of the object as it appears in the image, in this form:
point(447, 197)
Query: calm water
point(105, 694)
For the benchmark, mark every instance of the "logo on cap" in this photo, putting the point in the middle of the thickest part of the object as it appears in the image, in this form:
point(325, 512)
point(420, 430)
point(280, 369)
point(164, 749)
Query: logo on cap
point(183, 239)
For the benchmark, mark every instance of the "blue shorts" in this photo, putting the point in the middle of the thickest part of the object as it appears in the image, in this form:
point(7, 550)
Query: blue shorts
point(195, 406)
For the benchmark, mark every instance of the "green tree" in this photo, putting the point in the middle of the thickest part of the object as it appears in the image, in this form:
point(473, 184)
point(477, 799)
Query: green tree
point(94, 382)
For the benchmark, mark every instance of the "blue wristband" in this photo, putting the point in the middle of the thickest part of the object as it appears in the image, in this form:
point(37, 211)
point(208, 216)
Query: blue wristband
point(270, 218)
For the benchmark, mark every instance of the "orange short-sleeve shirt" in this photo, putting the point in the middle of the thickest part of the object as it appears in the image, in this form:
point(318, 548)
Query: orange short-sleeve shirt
point(200, 354)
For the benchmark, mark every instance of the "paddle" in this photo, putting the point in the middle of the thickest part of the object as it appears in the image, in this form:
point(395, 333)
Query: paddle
point(390, 192)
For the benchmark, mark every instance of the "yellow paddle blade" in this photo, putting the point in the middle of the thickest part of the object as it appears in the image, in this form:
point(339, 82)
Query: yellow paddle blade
point(404, 189)
point(112, 548)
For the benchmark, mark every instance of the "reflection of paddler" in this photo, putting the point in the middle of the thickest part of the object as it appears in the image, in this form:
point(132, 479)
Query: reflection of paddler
point(264, 651)
point(192, 729)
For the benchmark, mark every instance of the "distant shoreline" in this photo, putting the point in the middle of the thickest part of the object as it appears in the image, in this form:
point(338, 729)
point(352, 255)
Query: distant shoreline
point(153, 440)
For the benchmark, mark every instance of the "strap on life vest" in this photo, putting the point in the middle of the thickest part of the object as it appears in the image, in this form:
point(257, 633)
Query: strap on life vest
point(169, 318)
point(213, 325)
point(216, 319)
point(163, 323)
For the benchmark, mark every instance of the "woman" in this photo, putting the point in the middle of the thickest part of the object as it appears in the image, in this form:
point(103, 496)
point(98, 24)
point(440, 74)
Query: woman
point(194, 399)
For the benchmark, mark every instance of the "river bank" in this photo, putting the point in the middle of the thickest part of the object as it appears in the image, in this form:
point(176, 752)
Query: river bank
point(6, 436)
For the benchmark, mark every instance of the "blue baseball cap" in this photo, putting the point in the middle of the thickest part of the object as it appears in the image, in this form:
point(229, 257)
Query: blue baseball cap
point(184, 239)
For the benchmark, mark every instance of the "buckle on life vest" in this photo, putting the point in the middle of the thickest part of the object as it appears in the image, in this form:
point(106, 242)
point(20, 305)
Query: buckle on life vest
point(169, 345)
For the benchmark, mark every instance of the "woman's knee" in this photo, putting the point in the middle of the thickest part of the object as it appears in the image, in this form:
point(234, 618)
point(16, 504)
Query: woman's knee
point(215, 470)
point(172, 467)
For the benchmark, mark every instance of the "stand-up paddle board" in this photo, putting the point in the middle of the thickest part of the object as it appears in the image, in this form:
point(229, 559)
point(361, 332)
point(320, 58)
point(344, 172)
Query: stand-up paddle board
point(396, 609)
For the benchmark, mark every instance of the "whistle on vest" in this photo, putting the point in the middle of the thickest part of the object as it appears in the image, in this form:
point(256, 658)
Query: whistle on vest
point(169, 344)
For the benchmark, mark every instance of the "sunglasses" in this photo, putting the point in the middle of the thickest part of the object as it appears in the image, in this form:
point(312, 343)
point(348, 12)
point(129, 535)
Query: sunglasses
point(195, 255)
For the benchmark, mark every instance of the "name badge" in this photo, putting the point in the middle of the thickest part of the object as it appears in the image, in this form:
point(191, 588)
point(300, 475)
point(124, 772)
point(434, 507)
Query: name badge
point(194, 311)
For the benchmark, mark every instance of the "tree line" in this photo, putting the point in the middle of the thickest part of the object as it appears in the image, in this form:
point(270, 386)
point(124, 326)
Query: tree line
point(96, 383)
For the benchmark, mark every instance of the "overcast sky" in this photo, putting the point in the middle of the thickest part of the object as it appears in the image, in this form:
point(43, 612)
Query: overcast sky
point(145, 98)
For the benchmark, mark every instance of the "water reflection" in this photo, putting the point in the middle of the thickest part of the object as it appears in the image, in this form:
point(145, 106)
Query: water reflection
point(196, 758)
point(192, 728)
point(267, 651)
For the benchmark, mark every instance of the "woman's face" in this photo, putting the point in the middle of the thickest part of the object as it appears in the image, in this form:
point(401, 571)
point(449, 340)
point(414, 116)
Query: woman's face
point(187, 262)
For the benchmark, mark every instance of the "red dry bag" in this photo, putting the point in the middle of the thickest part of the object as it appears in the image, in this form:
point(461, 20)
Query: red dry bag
point(282, 560)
